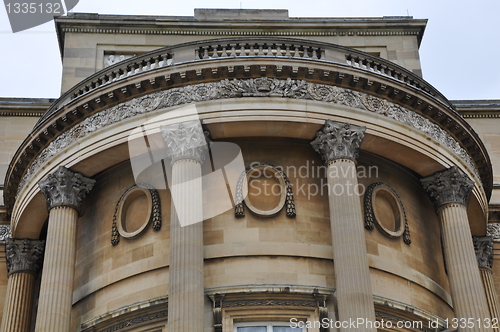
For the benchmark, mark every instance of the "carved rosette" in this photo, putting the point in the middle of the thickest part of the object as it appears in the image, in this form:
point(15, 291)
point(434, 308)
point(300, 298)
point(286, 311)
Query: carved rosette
point(483, 246)
point(185, 140)
point(338, 140)
point(65, 188)
point(5, 232)
point(450, 186)
point(24, 255)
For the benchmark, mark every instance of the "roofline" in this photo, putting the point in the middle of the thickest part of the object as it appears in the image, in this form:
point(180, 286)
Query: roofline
point(156, 23)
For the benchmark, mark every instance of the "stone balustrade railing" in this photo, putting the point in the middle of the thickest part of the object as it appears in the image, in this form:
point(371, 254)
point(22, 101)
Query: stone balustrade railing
point(271, 47)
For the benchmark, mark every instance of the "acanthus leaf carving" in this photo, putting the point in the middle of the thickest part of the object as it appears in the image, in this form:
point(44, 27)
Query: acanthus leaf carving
point(23, 255)
point(65, 188)
point(483, 246)
point(449, 186)
point(338, 140)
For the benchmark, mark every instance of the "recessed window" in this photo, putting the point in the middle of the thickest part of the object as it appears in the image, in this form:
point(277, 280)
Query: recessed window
point(266, 327)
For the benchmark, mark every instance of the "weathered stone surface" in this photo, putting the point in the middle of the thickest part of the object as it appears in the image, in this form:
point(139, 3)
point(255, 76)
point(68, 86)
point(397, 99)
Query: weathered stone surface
point(24, 255)
point(65, 188)
point(450, 186)
point(338, 140)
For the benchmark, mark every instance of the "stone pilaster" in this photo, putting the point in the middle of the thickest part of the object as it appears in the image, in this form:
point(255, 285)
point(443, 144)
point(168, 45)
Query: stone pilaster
point(338, 144)
point(450, 191)
point(186, 145)
point(65, 191)
point(24, 259)
point(483, 245)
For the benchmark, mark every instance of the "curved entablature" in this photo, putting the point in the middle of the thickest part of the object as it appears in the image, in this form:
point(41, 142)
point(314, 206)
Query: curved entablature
point(284, 68)
point(243, 47)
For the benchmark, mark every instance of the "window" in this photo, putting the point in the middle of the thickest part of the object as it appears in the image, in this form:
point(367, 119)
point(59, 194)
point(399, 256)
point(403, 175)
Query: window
point(266, 327)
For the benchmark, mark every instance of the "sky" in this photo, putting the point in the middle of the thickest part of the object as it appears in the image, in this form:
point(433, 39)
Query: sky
point(458, 53)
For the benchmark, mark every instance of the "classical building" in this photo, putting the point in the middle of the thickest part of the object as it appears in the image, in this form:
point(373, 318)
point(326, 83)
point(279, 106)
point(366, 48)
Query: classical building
point(244, 171)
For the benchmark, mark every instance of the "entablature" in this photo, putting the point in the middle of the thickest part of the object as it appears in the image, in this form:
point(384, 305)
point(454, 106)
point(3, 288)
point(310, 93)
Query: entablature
point(245, 59)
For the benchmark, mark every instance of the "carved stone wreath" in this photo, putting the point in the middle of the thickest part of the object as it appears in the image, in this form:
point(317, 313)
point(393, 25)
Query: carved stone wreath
point(253, 87)
point(239, 211)
point(371, 218)
point(154, 215)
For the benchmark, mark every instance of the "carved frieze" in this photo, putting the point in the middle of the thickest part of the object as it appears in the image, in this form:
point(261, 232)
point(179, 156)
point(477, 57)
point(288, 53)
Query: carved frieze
point(254, 87)
point(23, 255)
point(493, 230)
point(286, 192)
point(338, 140)
point(269, 303)
point(65, 188)
point(483, 246)
point(450, 186)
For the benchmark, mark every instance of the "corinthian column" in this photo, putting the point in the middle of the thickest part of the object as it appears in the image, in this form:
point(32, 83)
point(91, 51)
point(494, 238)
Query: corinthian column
point(186, 145)
point(338, 144)
point(483, 245)
point(24, 259)
point(450, 191)
point(64, 191)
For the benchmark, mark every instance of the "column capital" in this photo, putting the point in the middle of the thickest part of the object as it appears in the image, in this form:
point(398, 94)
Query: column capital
point(185, 140)
point(483, 246)
point(65, 188)
point(449, 186)
point(23, 255)
point(338, 140)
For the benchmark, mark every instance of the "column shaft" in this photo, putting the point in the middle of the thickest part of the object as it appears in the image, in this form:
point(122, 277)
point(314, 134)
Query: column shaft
point(186, 279)
point(491, 295)
point(56, 290)
point(469, 300)
point(18, 309)
point(354, 294)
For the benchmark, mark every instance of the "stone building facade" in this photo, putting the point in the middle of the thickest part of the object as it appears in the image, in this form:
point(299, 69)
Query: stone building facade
point(244, 171)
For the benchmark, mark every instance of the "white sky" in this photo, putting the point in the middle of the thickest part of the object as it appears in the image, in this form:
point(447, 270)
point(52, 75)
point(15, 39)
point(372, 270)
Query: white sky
point(459, 52)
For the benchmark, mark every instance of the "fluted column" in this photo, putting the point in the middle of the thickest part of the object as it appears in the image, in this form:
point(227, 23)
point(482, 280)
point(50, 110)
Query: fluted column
point(64, 191)
point(24, 258)
point(483, 245)
point(450, 191)
point(186, 145)
point(338, 144)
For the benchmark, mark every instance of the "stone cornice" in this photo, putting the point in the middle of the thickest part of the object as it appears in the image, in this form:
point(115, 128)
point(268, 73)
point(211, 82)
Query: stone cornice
point(359, 80)
point(24, 107)
point(478, 108)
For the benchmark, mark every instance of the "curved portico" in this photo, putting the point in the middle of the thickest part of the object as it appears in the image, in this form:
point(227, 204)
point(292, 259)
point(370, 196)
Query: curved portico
point(257, 89)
